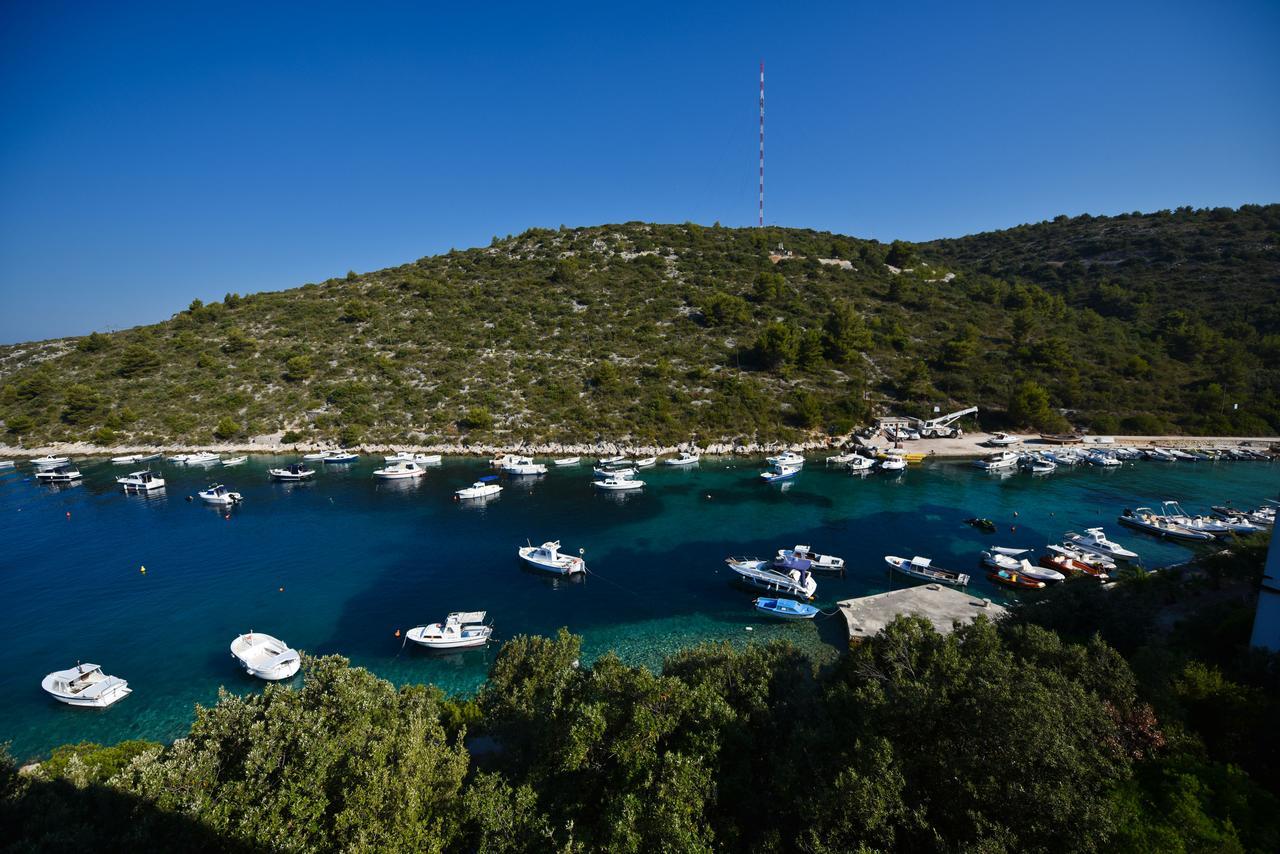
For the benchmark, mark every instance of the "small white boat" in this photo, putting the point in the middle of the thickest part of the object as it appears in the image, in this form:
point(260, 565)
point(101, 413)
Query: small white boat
point(126, 460)
point(265, 657)
point(841, 459)
point(410, 457)
point(315, 456)
point(618, 484)
point(1094, 540)
point(501, 460)
point(1010, 560)
point(609, 461)
point(996, 462)
point(6, 464)
point(1174, 513)
point(402, 470)
point(809, 558)
point(893, 462)
point(340, 456)
point(567, 461)
point(613, 471)
point(220, 495)
point(684, 458)
point(758, 574)
point(1037, 464)
point(547, 558)
point(861, 464)
point(140, 481)
point(482, 488)
point(50, 461)
point(61, 474)
point(460, 630)
point(1101, 459)
point(235, 461)
point(646, 462)
point(293, 472)
point(922, 569)
point(204, 458)
point(786, 458)
point(779, 472)
point(85, 685)
point(523, 466)
point(1003, 440)
point(179, 459)
point(1158, 454)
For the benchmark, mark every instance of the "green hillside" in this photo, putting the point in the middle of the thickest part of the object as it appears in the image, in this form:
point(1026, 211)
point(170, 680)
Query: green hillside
point(1140, 323)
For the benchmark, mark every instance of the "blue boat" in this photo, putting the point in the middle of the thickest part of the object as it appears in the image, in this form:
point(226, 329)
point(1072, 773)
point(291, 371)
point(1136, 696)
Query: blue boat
point(786, 609)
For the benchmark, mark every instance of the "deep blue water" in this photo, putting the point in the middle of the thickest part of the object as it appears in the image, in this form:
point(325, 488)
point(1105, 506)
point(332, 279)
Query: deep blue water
point(359, 559)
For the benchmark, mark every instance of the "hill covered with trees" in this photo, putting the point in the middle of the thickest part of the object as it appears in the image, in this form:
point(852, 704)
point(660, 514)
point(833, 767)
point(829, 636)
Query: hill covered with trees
point(644, 333)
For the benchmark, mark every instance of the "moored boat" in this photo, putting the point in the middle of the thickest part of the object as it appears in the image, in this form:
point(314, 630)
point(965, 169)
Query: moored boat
point(265, 657)
point(203, 458)
point(1071, 566)
point(126, 460)
point(235, 461)
point(1016, 580)
point(547, 558)
point(315, 456)
point(618, 484)
point(460, 630)
point(523, 466)
point(485, 487)
point(340, 457)
point(567, 461)
point(779, 472)
point(1147, 520)
point(59, 474)
point(292, 472)
point(50, 461)
point(1003, 440)
point(1010, 560)
point(893, 462)
point(220, 495)
point(85, 685)
point(684, 458)
point(811, 559)
point(998, 461)
point(786, 458)
point(922, 569)
point(646, 462)
point(140, 481)
point(1094, 540)
point(1099, 562)
point(758, 574)
point(785, 609)
point(403, 470)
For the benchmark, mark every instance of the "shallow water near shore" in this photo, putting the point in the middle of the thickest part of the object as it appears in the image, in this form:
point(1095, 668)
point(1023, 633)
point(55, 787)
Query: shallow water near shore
point(358, 559)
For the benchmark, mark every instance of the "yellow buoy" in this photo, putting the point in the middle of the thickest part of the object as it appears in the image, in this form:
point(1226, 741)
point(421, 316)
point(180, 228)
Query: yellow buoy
point(142, 569)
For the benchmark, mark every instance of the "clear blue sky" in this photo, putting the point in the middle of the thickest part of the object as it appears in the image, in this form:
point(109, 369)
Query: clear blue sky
point(152, 153)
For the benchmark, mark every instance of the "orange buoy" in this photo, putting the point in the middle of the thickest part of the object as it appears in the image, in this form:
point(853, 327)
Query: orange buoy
point(397, 633)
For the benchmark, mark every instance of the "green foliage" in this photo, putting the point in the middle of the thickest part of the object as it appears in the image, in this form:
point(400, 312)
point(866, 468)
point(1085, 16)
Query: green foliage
point(94, 342)
point(297, 368)
point(769, 287)
point(1029, 407)
point(845, 335)
point(227, 429)
point(722, 309)
point(356, 310)
point(477, 418)
point(901, 254)
point(777, 346)
point(82, 405)
point(137, 359)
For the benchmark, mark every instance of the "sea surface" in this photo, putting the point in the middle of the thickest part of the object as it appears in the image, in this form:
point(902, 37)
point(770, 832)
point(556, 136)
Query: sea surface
point(340, 564)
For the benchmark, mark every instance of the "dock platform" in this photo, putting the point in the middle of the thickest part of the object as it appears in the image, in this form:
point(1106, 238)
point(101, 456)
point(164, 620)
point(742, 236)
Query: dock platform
point(942, 606)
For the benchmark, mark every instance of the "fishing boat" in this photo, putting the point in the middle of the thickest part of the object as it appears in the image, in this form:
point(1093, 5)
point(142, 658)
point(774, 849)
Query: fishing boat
point(60, 474)
point(1071, 566)
point(292, 472)
point(646, 462)
point(785, 609)
point(126, 460)
point(758, 574)
point(547, 558)
point(786, 458)
point(1003, 440)
point(340, 457)
point(893, 462)
point(179, 459)
point(410, 457)
point(50, 461)
point(460, 630)
point(812, 560)
point(1147, 520)
point(601, 472)
point(779, 472)
point(1094, 540)
point(203, 458)
point(614, 460)
point(85, 685)
point(1158, 454)
point(618, 484)
point(220, 495)
point(265, 657)
point(1064, 458)
point(1100, 562)
point(235, 461)
point(922, 569)
point(523, 466)
point(140, 481)
point(860, 464)
point(1011, 560)
point(403, 470)
point(567, 461)
point(841, 459)
point(684, 458)
point(482, 488)
point(501, 460)
point(1101, 459)
point(1014, 579)
point(996, 462)
point(315, 456)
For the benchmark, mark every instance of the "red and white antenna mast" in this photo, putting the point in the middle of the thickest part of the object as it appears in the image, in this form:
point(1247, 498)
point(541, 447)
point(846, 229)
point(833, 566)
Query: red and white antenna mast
point(761, 221)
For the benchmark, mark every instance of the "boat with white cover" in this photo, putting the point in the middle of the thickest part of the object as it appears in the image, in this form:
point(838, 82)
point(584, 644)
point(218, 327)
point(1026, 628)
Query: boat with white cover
point(60, 474)
point(315, 456)
point(893, 462)
point(1011, 560)
point(922, 569)
point(402, 470)
point(340, 457)
point(786, 458)
point(410, 457)
point(220, 495)
point(85, 685)
point(460, 630)
point(1037, 464)
point(1101, 459)
point(861, 464)
point(1094, 540)
point(265, 656)
point(50, 461)
point(234, 461)
point(759, 575)
point(1147, 520)
point(646, 462)
point(812, 559)
point(618, 484)
point(140, 481)
point(547, 558)
point(203, 458)
point(523, 466)
point(684, 458)
point(482, 488)
point(292, 472)
point(1003, 440)
point(996, 462)
point(567, 461)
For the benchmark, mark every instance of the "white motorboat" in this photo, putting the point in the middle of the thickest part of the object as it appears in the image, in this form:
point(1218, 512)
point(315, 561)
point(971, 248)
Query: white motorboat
point(997, 462)
point(618, 484)
point(1101, 459)
point(203, 458)
point(126, 460)
point(786, 458)
point(1158, 454)
point(684, 458)
point(759, 575)
point(567, 461)
point(340, 457)
point(922, 569)
point(1094, 559)
point(547, 558)
point(7, 464)
point(523, 466)
point(315, 456)
point(1003, 440)
point(646, 462)
point(1094, 540)
point(1237, 523)
point(860, 463)
point(50, 461)
point(614, 460)
point(291, 473)
point(402, 470)
point(813, 560)
point(613, 471)
point(61, 474)
point(501, 460)
point(1146, 519)
point(140, 481)
point(85, 685)
point(1037, 464)
point(1179, 454)
point(460, 630)
point(1173, 511)
point(235, 461)
point(842, 459)
point(893, 462)
point(410, 457)
point(1011, 560)
point(482, 488)
point(265, 656)
point(220, 495)
point(179, 459)
point(779, 472)
point(1064, 458)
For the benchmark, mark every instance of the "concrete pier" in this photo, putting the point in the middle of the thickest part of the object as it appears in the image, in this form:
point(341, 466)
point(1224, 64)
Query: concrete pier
point(942, 606)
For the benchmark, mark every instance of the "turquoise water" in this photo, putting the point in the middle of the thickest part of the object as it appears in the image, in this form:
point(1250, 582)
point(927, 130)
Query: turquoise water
point(358, 559)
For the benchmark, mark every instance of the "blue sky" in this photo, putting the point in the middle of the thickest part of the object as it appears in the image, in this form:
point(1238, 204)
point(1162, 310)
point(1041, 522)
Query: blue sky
point(153, 153)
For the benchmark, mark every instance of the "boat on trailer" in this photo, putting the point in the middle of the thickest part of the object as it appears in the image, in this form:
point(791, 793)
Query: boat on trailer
point(460, 630)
